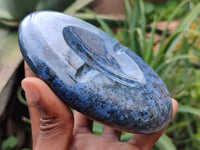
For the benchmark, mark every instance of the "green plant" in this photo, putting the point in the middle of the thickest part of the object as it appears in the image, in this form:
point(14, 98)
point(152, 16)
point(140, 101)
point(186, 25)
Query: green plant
point(9, 143)
point(11, 13)
point(174, 58)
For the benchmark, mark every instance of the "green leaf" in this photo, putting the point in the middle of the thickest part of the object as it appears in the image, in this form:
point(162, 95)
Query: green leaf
point(172, 16)
point(77, 5)
point(16, 9)
point(97, 128)
point(189, 18)
point(180, 57)
point(105, 27)
point(10, 57)
point(176, 126)
point(188, 109)
point(19, 96)
point(165, 63)
point(149, 7)
point(176, 36)
point(126, 136)
point(58, 5)
point(132, 17)
point(3, 33)
point(4, 13)
point(172, 40)
point(165, 143)
point(143, 24)
point(91, 16)
point(149, 49)
point(9, 143)
point(141, 38)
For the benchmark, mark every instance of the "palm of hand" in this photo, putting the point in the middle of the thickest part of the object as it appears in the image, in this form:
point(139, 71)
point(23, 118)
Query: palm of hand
point(55, 127)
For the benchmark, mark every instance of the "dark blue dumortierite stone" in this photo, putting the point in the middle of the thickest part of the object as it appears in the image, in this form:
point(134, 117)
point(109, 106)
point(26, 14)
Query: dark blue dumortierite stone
point(93, 73)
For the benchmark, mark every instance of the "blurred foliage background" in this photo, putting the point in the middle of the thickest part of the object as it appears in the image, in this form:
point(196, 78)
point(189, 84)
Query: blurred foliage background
point(165, 34)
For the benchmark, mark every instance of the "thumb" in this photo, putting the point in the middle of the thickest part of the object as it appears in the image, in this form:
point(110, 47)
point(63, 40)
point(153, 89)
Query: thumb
point(55, 127)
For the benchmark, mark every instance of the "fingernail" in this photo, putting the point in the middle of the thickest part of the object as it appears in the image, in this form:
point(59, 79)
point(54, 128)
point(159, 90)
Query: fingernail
point(31, 92)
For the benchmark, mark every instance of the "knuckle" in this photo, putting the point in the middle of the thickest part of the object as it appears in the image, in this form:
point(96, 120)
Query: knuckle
point(49, 124)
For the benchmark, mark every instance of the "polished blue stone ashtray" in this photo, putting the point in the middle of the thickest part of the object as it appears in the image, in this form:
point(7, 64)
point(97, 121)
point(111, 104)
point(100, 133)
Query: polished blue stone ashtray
point(93, 73)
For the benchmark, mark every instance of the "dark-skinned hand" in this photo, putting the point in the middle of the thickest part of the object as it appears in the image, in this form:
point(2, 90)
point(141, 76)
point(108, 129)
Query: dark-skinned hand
point(54, 127)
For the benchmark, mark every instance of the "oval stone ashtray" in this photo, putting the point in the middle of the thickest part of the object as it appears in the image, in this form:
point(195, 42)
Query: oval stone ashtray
point(93, 73)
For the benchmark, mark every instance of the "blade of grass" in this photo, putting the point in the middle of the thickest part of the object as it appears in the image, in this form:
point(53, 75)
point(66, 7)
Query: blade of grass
point(173, 59)
point(149, 49)
point(186, 46)
point(105, 27)
point(189, 126)
point(169, 70)
point(172, 16)
point(143, 25)
point(176, 36)
point(126, 136)
point(125, 32)
point(133, 17)
point(4, 13)
point(135, 44)
point(189, 18)
point(19, 96)
point(91, 16)
point(56, 5)
point(176, 126)
point(127, 24)
point(97, 128)
point(165, 143)
point(141, 38)
point(188, 109)
point(161, 54)
point(130, 21)
point(10, 143)
point(10, 57)
point(77, 5)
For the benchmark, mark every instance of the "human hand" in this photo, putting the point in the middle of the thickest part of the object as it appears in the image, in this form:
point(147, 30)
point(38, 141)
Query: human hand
point(55, 127)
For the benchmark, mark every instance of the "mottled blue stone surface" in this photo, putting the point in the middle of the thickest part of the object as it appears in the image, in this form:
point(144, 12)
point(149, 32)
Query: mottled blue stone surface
point(93, 73)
